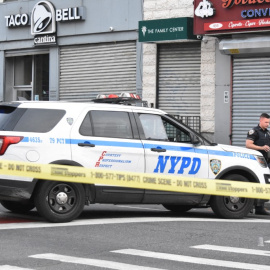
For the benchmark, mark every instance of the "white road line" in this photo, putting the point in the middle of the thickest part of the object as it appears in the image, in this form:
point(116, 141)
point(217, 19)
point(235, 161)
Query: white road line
point(10, 267)
point(92, 262)
point(234, 250)
point(91, 222)
point(192, 260)
point(142, 208)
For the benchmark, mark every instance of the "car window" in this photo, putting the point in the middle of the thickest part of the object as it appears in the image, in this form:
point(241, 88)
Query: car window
point(153, 127)
point(175, 133)
point(9, 114)
point(111, 124)
point(39, 120)
point(29, 120)
point(86, 127)
point(157, 128)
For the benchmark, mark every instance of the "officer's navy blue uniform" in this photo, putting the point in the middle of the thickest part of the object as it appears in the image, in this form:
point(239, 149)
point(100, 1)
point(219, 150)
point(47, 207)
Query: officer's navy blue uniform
point(260, 137)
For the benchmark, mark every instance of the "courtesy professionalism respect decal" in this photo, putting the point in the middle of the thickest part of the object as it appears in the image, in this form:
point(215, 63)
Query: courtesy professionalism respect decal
point(135, 180)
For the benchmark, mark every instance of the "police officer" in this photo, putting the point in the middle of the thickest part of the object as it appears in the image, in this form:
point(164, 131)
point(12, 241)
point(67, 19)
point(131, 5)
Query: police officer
point(258, 138)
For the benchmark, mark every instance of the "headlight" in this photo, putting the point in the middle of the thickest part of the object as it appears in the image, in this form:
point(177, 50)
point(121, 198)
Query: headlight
point(262, 161)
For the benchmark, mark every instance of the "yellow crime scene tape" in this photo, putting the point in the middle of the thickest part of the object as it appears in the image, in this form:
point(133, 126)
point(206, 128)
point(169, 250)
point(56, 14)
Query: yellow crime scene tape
point(136, 180)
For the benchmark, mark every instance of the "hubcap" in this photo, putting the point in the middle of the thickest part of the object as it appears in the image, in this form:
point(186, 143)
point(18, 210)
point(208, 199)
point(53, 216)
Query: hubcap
point(62, 198)
point(234, 199)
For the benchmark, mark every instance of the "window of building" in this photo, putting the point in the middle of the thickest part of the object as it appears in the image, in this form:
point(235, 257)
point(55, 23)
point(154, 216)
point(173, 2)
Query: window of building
point(27, 77)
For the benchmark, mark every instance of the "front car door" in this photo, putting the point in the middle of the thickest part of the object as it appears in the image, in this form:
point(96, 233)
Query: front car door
point(169, 149)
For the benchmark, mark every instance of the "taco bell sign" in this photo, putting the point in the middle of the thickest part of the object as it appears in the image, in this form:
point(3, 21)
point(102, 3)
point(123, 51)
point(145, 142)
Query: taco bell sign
point(43, 20)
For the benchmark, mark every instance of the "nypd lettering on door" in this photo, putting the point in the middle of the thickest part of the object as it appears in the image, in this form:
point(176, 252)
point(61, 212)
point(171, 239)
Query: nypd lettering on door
point(178, 165)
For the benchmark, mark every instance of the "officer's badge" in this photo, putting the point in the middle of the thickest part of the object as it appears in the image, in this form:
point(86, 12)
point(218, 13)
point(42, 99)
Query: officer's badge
point(215, 166)
point(251, 132)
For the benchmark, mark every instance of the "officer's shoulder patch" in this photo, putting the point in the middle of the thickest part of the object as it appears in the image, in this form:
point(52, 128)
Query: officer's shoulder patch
point(251, 132)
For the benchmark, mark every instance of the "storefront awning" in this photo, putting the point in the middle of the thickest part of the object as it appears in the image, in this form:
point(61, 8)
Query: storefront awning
point(245, 45)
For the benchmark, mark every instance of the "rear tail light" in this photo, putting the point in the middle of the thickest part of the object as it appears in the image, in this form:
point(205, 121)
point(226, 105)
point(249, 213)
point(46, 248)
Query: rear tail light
point(6, 141)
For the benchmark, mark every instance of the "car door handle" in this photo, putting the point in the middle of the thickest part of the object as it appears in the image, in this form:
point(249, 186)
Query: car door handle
point(158, 150)
point(86, 144)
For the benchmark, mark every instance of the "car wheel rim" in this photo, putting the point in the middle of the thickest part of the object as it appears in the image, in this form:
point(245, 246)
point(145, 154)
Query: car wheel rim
point(62, 198)
point(234, 203)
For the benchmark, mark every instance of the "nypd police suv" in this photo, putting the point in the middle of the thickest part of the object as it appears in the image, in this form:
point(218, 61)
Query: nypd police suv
point(117, 137)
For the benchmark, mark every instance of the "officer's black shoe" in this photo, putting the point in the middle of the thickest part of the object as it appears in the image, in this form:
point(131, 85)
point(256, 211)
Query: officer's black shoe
point(260, 210)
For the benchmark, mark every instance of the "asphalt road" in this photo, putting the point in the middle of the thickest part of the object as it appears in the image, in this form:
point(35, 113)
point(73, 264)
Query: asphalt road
point(134, 237)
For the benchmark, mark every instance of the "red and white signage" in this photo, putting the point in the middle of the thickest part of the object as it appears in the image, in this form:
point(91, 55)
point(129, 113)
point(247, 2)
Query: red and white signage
point(245, 24)
point(231, 16)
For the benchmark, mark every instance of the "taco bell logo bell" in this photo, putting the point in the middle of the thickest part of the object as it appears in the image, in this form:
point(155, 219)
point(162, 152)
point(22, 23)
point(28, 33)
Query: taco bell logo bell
point(43, 19)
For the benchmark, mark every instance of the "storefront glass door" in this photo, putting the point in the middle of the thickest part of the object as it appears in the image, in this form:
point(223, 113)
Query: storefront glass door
point(27, 77)
point(23, 78)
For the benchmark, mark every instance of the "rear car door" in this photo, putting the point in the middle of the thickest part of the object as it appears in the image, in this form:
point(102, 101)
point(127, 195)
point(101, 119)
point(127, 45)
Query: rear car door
point(109, 140)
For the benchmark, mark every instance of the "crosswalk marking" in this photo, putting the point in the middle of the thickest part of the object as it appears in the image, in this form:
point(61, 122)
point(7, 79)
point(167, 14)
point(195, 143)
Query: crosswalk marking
point(193, 260)
point(234, 250)
point(92, 262)
point(10, 267)
point(157, 255)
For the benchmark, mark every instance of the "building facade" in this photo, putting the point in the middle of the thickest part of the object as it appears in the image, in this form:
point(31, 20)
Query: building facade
point(69, 50)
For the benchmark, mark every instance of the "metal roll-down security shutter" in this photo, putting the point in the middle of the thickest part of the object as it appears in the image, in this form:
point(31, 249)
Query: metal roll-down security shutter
point(251, 95)
point(179, 69)
point(89, 70)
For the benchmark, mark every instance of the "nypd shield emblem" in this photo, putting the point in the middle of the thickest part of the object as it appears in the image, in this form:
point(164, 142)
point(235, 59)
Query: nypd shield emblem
point(215, 166)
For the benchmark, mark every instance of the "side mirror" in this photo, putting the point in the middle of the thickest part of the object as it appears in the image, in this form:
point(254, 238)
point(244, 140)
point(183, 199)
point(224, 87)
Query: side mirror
point(194, 139)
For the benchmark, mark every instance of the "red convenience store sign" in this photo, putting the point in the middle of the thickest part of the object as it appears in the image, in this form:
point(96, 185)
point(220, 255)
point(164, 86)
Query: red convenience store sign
point(231, 16)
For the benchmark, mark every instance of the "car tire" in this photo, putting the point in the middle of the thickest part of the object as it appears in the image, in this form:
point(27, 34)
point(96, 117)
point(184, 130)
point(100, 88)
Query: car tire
point(231, 207)
point(21, 207)
point(59, 201)
point(177, 208)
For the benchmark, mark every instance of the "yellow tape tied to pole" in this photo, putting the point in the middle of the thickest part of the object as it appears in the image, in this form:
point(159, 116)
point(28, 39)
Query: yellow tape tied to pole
point(135, 180)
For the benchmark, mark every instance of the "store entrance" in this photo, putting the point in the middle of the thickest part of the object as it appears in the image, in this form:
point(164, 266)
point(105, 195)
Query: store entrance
point(27, 77)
